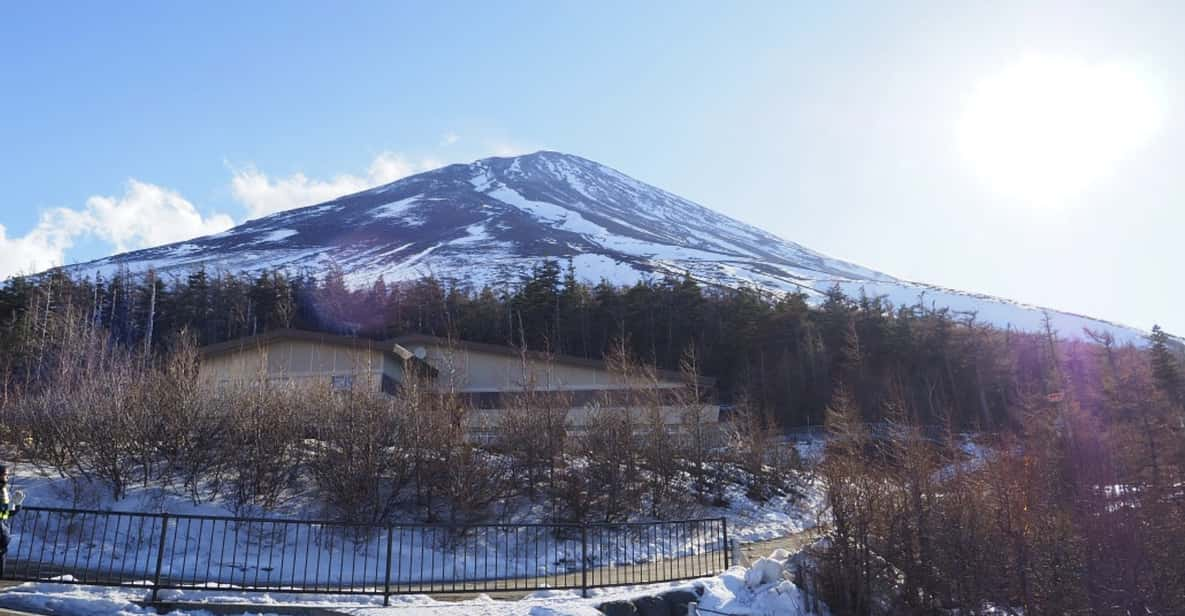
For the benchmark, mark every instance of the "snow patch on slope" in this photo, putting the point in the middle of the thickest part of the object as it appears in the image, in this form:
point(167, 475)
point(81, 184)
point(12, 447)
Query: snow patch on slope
point(557, 216)
point(276, 235)
point(401, 209)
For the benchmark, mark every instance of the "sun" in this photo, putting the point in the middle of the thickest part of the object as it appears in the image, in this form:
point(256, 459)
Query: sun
point(1047, 129)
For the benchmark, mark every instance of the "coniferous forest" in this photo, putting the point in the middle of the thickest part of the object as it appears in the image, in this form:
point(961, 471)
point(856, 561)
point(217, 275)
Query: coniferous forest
point(779, 355)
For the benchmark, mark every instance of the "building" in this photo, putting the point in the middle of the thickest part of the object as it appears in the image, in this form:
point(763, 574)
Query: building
point(489, 376)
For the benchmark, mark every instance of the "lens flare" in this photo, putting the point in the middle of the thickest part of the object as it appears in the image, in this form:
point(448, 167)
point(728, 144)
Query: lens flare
point(1047, 129)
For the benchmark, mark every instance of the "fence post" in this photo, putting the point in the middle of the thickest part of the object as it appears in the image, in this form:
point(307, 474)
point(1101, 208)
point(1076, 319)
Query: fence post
point(387, 579)
point(160, 553)
point(584, 560)
point(727, 547)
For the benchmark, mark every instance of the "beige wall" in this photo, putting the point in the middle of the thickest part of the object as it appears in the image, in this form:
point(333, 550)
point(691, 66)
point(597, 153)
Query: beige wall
point(470, 370)
point(579, 418)
point(299, 360)
point(474, 370)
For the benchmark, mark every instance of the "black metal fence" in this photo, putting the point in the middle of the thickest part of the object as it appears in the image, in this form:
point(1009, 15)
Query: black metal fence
point(158, 551)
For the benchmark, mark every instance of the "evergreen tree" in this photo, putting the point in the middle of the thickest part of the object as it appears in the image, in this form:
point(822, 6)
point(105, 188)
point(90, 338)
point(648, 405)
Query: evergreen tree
point(1165, 369)
point(575, 322)
point(537, 307)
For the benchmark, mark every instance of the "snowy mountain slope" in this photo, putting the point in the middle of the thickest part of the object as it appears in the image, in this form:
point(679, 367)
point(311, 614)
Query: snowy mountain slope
point(490, 221)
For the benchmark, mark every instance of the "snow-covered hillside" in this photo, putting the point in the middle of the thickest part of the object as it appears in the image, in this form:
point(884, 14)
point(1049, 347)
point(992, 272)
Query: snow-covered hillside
point(490, 221)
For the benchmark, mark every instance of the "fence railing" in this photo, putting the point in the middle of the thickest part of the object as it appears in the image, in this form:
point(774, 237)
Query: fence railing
point(164, 551)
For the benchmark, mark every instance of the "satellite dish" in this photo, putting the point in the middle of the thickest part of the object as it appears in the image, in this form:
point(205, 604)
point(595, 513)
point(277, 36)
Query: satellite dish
point(420, 352)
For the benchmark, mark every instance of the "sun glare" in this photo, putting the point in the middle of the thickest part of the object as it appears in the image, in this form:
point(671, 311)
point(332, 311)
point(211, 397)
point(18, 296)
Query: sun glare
point(1046, 129)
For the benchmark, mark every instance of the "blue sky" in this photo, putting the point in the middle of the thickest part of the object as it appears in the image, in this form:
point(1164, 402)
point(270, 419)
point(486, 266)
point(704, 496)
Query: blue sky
point(868, 131)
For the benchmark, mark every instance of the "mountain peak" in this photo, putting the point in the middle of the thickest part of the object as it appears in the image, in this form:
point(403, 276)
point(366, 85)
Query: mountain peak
point(490, 221)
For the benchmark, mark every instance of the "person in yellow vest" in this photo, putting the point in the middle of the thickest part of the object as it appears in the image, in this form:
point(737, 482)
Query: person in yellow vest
point(7, 508)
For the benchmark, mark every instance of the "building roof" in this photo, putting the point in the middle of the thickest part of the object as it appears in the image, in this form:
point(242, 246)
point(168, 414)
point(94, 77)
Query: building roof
point(399, 349)
point(411, 340)
point(389, 348)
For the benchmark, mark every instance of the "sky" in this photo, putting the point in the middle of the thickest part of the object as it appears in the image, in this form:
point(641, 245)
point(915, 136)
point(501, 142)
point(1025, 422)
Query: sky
point(1028, 150)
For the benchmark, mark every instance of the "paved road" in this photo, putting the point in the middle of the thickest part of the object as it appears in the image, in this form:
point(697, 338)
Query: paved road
point(791, 543)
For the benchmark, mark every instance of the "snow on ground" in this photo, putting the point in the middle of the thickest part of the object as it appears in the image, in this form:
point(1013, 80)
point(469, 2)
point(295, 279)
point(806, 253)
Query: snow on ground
point(780, 516)
point(197, 551)
point(998, 311)
point(808, 442)
point(748, 519)
point(75, 600)
point(735, 591)
point(594, 268)
point(974, 457)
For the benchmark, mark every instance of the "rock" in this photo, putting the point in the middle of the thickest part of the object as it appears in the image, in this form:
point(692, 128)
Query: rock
point(652, 606)
point(618, 608)
point(677, 601)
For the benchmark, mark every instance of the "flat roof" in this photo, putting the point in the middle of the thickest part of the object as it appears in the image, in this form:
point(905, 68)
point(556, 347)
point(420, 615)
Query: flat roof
point(569, 360)
point(396, 348)
point(386, 347)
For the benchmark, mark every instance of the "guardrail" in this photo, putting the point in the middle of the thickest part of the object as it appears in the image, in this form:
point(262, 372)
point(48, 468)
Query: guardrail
point(164, 551)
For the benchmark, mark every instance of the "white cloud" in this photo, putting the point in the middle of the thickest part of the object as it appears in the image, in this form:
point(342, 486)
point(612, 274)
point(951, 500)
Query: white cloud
point(43, 247)
point(146, 215)
point(449, 138)
point(263, 195)
point(149, 215)
point(388, 167)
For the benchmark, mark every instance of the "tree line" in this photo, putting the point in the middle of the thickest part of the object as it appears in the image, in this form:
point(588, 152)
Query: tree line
point(778, 354)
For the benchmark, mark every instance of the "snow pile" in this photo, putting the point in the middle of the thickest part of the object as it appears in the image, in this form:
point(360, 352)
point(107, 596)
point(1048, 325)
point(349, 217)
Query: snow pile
point(766, 570)
point(762, 590)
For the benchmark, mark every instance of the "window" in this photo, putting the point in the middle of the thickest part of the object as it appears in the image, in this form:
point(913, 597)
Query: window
point(390, 386)
point(342, 382)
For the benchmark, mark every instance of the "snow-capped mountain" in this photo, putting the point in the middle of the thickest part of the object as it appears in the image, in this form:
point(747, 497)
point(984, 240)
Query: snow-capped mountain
point(491, 221)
